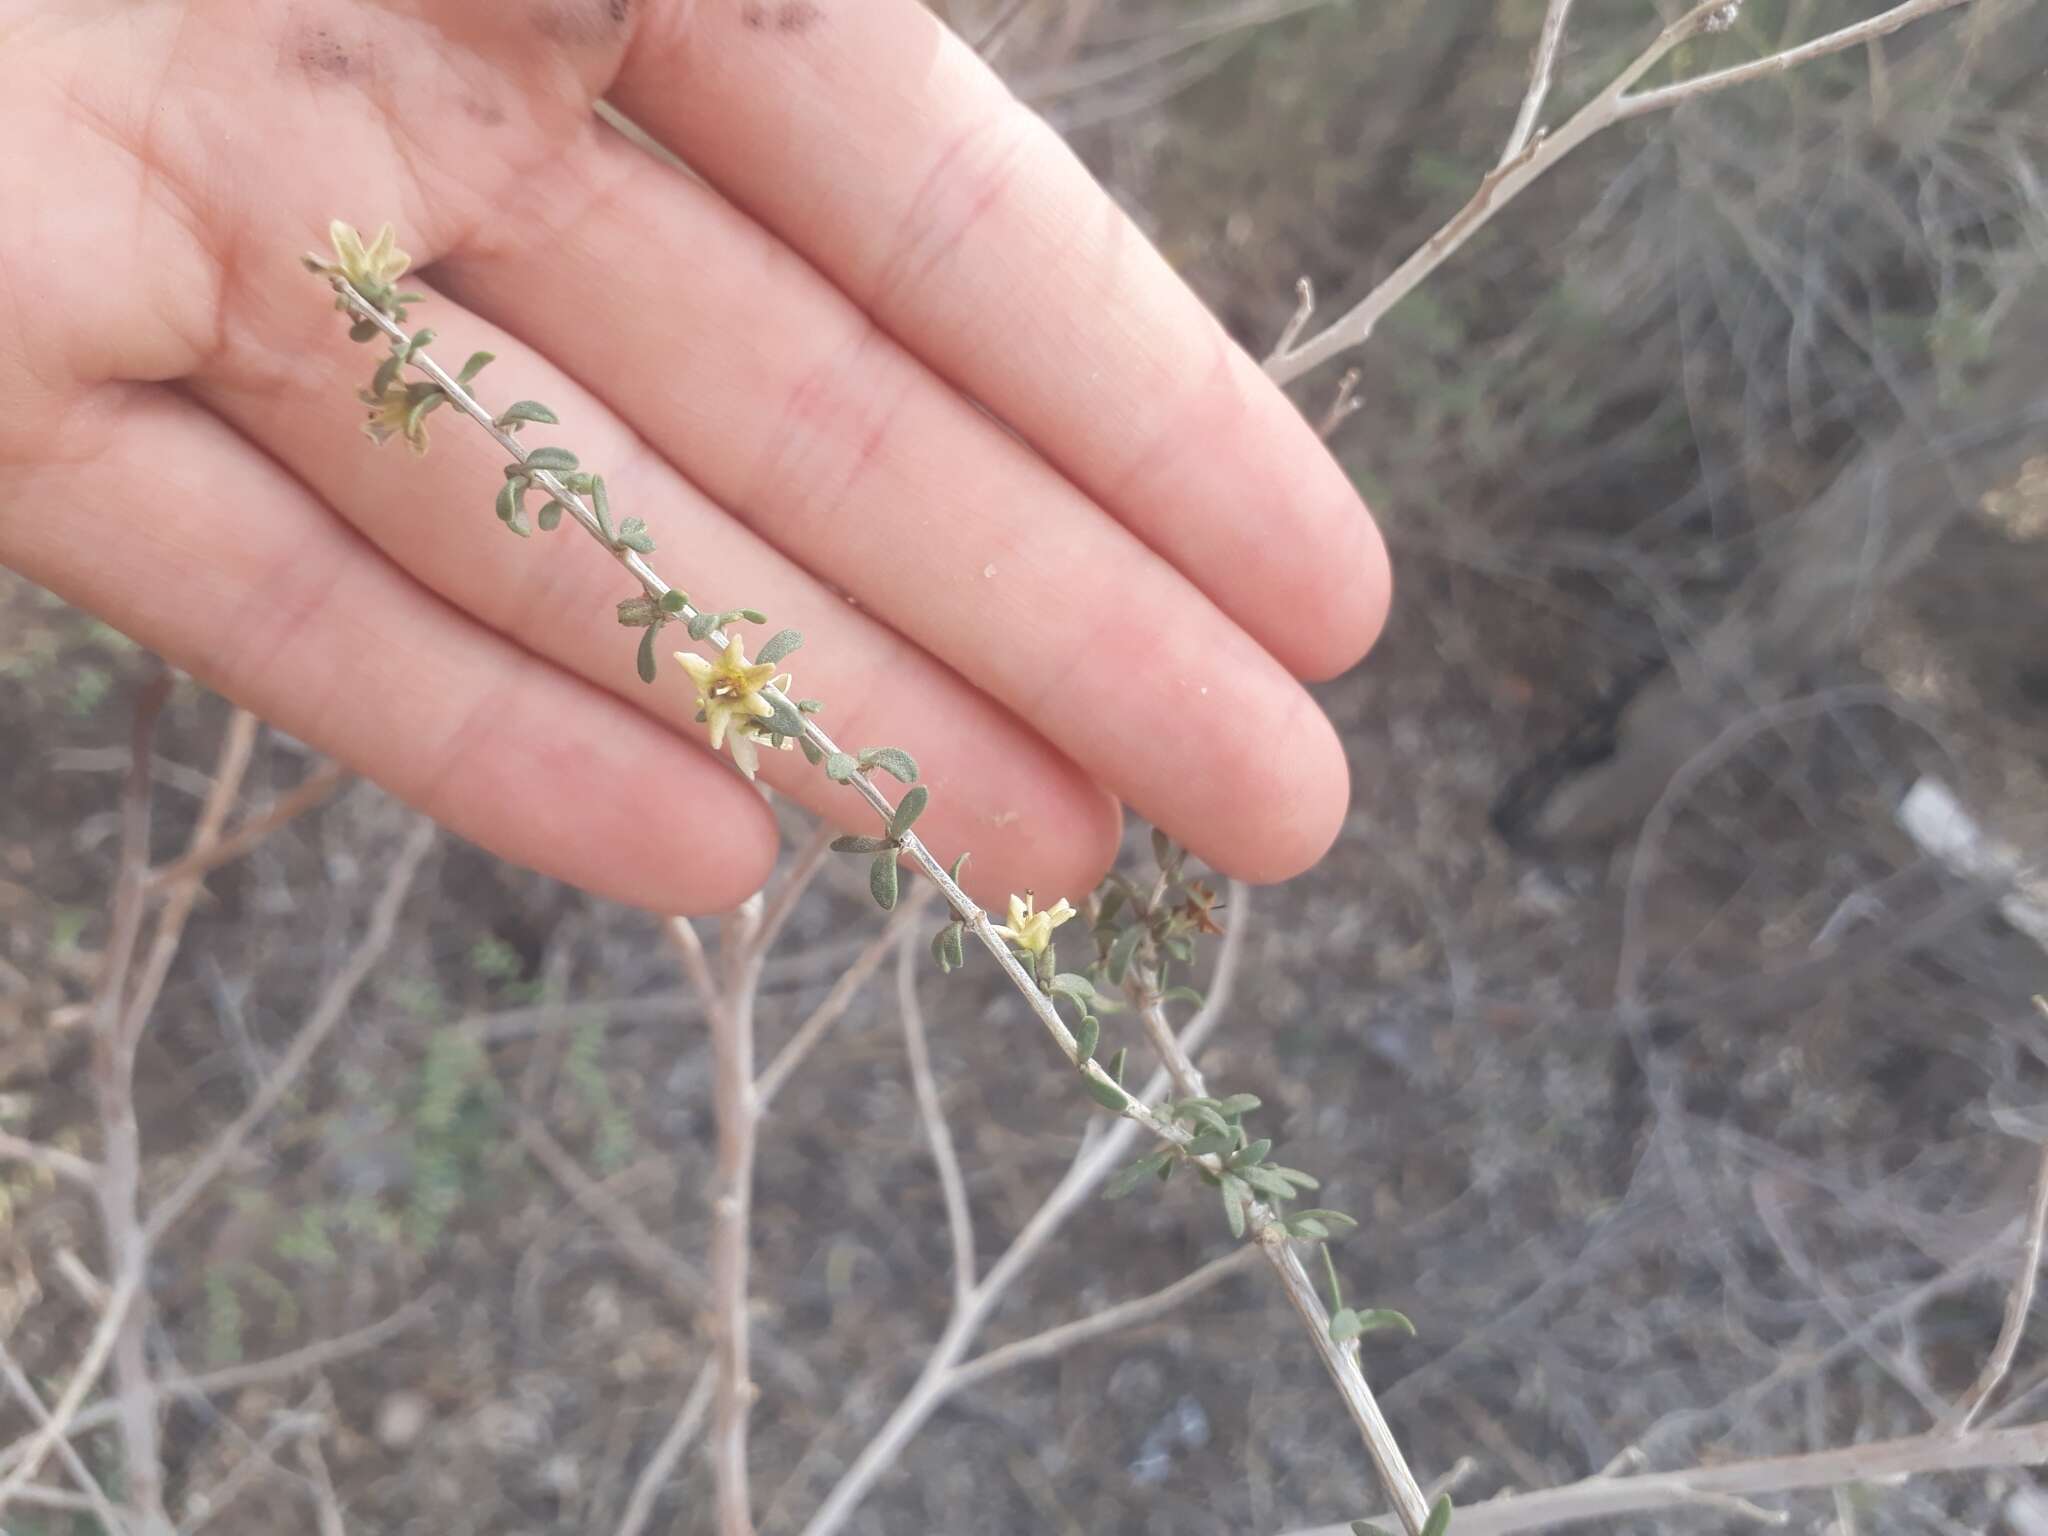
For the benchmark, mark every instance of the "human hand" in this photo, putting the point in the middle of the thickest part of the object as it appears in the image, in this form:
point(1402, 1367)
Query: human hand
point(782, 368)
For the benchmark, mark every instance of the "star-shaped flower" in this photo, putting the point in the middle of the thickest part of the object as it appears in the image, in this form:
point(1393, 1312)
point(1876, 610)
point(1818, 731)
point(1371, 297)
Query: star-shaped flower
point(1032, 930)
point(729, 692)
point(391, 414)
point(367, 269)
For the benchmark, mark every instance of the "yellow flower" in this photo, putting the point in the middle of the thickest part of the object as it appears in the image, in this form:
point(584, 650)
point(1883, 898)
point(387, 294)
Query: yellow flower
point(1030, 930)
point(379, 266)
point(729, 693)
point(391, 415)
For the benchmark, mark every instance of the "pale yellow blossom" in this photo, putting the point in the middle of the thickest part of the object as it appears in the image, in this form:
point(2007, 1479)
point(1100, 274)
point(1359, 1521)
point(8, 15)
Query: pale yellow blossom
point(1032, 930)
point(391, 415)
point(379, 265)
point(730, 693)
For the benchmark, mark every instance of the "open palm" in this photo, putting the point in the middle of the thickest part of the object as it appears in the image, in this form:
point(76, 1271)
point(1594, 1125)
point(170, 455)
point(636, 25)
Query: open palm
point(888, 365)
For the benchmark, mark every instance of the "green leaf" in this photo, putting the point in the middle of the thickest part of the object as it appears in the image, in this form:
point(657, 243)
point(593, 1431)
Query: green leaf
point(891, 760)
point(647, 652)
point(751, 615)
point(701, 625)
point(812, 752)
point(1122, 950)
point(550, 516)
point(1239, 1104)
point(633, 535)
point(1108, 1096)
point(532, 410)
point(1111, 904)
point(778, 645)
point(363, 330)
point(1181, 995)
point(387, 373)
point(1296, 1177)
point(422, 339)
point(1272, 1188)
point(1236, 1195)
point(1346, 1325)
point(1439, 1520)
point(1086, 1034)
point(1254, 1153)
point(882, 880)
point(1336, 1221)
point(785, 721)
point(508, 498)
point(908, 809)
point(1116, 1064)
point(958, 865)
point(674, 600)
point(840, 768)
point(601, 506)
point(478, 361)
point(1366, 1528)
point(1207, 1117)
point(1132, 1175)
point(638, 612)
point(946, 947)
point(859, 844)
point(1076, 988)
point(424, 404)
point(1212, 1144)
point(551, 459)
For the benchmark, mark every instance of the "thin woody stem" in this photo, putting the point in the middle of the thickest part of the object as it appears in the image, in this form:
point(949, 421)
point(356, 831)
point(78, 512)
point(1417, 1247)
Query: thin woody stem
point(1537, 155)
point(736, 1098)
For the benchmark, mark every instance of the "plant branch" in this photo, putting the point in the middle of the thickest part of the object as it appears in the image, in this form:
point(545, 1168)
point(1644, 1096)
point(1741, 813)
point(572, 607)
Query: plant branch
point(1541, 67)
point(730, 1009)
point(57, 1163)
point(96, 1496)
point(29, 1460)
point(1125, 1314)
point(332, 1007)
point(959, 1218)
point(688, 1421)
point(315, 790)
point(1092, 1164)
point(1606, 1498)
point(678, 1279)
point(732, 1027)
point(909, 912)
point(2019, 1302)
point(1509, 179)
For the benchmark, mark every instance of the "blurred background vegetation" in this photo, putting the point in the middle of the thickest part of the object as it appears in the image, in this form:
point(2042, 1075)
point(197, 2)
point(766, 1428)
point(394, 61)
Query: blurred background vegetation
point(1674, 1081)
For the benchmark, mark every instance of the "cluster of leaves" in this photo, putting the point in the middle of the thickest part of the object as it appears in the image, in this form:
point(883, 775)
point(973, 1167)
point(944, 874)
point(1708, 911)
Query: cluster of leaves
point(1140, 932)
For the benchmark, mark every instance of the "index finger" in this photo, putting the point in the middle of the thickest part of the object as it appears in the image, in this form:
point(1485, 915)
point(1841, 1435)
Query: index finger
point(874, 142)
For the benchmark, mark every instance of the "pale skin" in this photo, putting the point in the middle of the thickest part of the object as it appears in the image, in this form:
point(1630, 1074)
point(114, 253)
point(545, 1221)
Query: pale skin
point(1112, 597)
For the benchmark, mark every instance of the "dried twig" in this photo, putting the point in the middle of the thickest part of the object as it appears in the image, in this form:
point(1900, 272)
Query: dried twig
point(908, 914)
point(1096, 1160)
point(677, 1277)
point(1602, 1498)
point(1514, 174)
point(96, 1497)
point(959, 1219)
point(2019, 1302)
point(52, 1160)
point(332, 1007)
point(315, 790)
point(729, 1004)
point(1541, 67)
point(689, 1419)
